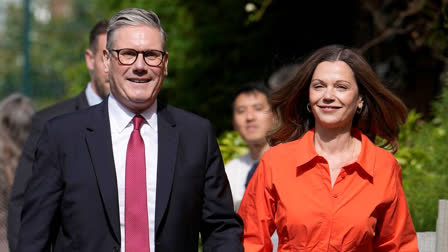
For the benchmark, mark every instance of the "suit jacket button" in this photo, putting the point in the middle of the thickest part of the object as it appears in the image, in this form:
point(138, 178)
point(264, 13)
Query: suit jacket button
point(115, 249)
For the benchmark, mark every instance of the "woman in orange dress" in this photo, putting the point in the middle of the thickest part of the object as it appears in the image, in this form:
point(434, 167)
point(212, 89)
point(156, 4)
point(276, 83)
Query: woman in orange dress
point(325, 185)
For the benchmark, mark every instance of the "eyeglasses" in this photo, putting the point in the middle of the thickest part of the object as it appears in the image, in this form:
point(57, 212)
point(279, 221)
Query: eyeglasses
point(127, 56)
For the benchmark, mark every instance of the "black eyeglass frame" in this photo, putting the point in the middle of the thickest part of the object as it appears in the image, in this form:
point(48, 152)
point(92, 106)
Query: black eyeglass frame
point(138, 53)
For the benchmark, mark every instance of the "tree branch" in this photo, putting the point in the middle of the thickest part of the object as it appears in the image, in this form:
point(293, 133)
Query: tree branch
point(413, 8)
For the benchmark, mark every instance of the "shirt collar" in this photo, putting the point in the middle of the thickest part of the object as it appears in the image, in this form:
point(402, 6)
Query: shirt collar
point(306, 148)
point(121, 117)
point(92, 97)
point(366, 158)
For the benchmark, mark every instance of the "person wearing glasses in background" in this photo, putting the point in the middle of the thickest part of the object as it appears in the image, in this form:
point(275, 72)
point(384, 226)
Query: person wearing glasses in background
point(131, 174)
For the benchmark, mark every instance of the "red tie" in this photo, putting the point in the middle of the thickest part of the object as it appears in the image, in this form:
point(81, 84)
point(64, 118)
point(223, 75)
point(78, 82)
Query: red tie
point(136, 212)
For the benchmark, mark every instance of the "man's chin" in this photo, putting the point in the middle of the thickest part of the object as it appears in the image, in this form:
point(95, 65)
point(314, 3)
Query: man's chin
point(139, 105)
point(255, 141)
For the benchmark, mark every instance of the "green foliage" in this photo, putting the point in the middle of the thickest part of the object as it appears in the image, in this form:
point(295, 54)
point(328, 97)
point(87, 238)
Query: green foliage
point(10, 51)
point(423, 158)
point(437, 38)
point(257, 14)
point(231, 145)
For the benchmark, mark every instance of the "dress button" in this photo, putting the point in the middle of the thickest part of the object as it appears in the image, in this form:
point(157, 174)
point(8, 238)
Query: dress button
point(335, 195)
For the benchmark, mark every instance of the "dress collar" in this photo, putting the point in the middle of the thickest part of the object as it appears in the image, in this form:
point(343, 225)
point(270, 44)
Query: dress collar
point(307, 151)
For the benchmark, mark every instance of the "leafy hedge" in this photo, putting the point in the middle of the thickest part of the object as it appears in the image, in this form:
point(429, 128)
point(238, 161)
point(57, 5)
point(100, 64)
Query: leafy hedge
point(231, 145)
point(423, 156)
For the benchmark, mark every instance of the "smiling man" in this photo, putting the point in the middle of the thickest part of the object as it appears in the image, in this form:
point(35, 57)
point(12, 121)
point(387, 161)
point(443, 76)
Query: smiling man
point(130, 174)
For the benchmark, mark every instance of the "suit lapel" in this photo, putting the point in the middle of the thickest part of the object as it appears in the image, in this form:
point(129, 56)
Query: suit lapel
point(99, 143)
point(167, 156)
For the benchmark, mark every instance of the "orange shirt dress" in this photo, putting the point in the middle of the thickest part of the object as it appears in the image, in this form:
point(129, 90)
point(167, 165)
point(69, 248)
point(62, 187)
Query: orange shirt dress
point(366, 210)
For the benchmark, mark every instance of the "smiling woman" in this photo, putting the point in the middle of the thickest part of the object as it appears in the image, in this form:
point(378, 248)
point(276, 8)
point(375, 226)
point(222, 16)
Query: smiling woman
point(328, 187)
point(334, 97)
point(382, 114)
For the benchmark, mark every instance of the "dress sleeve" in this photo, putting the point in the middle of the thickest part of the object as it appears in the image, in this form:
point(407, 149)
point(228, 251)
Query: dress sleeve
point(395, 231)
point(258, 209)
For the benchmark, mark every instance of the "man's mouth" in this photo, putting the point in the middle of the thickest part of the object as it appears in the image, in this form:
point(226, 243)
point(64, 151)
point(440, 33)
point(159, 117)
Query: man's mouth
point(139, 80)
point(251, 127)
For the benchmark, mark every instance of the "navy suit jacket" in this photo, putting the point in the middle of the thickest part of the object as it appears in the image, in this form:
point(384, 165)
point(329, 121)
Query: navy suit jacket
point(74, 187)
point(24, 168)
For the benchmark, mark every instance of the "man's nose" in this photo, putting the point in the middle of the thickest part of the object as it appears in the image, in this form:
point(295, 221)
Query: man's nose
point(139, 66)
point(250, 115)
point(139, 63)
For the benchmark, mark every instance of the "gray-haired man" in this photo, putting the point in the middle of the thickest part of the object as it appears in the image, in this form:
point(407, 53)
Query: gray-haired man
point(130, 174)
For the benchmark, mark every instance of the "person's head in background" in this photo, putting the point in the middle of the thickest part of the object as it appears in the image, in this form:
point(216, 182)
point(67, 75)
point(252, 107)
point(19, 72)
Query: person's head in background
point(252, 117)
point(16, 112)
point(282, 75)
point(94, 59)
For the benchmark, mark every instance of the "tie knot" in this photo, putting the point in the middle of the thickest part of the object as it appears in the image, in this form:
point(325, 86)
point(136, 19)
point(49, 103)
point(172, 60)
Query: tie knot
point(138, 121)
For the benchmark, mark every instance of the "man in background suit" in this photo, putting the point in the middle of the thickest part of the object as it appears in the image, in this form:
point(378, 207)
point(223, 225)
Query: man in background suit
point(130, 174)
point(97, 89)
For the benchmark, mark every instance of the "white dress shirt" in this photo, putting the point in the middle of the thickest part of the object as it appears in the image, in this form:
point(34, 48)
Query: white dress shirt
point(92, 97)
point(121, 127)
point(237, 171)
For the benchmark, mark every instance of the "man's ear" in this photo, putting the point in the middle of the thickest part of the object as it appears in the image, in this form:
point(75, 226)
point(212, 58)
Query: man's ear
point(89, 57)
point(106, 61)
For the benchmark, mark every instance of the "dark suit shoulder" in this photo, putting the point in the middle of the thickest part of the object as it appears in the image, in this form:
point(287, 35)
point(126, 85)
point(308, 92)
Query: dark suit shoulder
point(66, 106)
point(90, 116)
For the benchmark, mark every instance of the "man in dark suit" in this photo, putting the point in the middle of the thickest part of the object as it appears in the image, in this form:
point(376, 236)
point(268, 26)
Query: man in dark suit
point(97, 89)
point(130, 174)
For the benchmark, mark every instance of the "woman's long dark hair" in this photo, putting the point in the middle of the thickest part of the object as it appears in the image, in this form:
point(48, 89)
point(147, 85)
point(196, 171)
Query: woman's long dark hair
point(382, 115)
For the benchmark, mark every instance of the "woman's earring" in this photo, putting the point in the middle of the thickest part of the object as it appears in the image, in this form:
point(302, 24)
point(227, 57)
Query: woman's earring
point(358, 110)
point(308, 107)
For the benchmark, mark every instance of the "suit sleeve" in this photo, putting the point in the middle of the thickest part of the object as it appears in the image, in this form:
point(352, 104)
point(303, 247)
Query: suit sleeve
point(395, 231)
point(21, 179)
point(221, 227)
point(258, 209)
point(42, 197)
